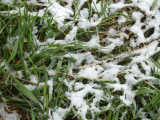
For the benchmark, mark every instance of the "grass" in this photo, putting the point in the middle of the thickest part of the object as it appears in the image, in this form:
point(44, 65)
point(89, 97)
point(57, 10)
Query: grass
point(20, 53)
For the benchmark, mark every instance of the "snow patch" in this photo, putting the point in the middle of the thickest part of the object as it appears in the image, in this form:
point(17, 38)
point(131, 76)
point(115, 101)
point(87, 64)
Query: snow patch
point(6, 116)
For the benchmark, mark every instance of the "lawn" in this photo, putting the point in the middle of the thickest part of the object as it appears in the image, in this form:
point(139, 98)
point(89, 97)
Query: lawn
point(80, 59)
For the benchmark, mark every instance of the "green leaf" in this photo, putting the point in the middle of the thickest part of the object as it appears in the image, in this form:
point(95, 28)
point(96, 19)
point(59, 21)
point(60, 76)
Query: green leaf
point(23, 3)
point(14, 52)
point(144, 90)
point(32, 114)
point(127, 17)
point(110, 115)
point(154, 5)
point(25, 91)
point(102, 111)
point(14, 98)
point(21, 106)
point(2, 30)
point(134, 104)
point(153, 99)
point(69, 54)
point(103, 8)
point(158, 117)
point(156, 63)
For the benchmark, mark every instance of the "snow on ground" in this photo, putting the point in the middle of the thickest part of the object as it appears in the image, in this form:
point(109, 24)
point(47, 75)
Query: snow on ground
point(8, 116)
point(108, 70)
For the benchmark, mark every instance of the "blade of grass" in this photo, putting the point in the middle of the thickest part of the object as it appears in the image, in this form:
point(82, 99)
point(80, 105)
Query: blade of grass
point(156, 63)
point(153, 99)
point(14, 52)
point(25, 91)
point(32, 114)
point(144, 90)
point(153, 5)
point(103, 6)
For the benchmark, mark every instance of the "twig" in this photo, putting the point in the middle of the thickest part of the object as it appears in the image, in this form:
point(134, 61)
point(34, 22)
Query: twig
point(109, 33)
point(28, 81)
point(76, 76)
point(115, 56)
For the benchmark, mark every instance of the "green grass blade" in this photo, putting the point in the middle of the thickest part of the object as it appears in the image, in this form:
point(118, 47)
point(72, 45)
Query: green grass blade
point(110, 115)
point(153, 99)
point(104, 8)
point(14, 51)
point(26, 92)
point(32, 114)
point(144, 90)
point(14, 98)
point(154, 5)
point(156, 63)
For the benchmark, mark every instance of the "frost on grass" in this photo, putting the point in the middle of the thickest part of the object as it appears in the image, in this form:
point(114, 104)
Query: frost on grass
point(139, 48)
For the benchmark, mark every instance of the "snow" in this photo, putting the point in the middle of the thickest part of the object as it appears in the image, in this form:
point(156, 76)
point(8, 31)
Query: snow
point(94, 42)
point(50, 84)
point(81, 2)
point(91, 72)
point(122, 19)
point(6, 116)
point(39, 14)
point(2, 63)
point(116, 6)
point(20, 74)
point(30, 87)
point(34, 78)
point(80, 104)
point(60, 13)
point(51, 72)
point(86, 24)
point(72, 34)
point(96, 6)
point(7, 1)
point(69, 84)
point(79, 57)
point(142, 114)
point(110, 72)
point(60, 113)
